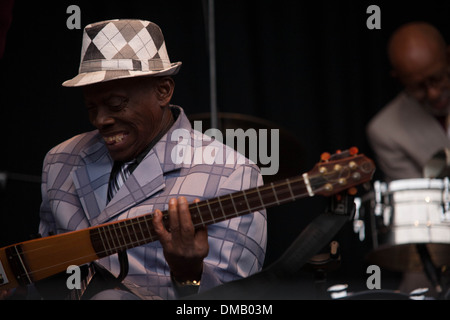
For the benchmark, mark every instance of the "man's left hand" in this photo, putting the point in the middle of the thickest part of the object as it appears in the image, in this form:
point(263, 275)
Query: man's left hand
point(184, 246)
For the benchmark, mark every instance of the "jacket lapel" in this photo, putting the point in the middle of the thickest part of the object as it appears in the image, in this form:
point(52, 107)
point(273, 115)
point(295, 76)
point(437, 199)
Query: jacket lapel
point(146, 180)
point(91, 180)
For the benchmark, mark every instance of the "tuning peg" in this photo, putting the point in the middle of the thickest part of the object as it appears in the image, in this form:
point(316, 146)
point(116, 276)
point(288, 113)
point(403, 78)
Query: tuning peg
point(353, 151)
point(325, 156)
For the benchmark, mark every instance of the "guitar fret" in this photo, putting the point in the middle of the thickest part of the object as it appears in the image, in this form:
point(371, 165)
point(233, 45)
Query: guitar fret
point(221, 207)
point(101, 238)
point(234, 205)
point(268, 196)
point(260, 198)
point(246, 200)
point(148, 228)
point(200, 214)
point(107, 240)
point(111, 238)
point(114, 247)
point(121, 233)
point(134, 233)
point(275, 193)
point(141, 230)
point(127, 231)
point(288, 182)
point(131, 234)
point(210, 211)
point(120, 246)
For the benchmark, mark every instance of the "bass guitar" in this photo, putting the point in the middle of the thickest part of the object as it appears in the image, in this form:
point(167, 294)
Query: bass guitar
point(31, 261)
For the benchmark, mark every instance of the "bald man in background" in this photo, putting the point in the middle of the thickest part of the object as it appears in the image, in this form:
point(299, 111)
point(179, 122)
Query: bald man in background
point(414, 126)
point(411, 128)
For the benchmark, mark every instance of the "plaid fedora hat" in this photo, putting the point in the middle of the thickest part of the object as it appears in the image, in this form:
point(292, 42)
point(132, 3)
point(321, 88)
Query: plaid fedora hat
point(117, 49)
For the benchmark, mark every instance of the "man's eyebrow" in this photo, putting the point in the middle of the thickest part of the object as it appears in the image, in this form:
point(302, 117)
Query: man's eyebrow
point(105, 96)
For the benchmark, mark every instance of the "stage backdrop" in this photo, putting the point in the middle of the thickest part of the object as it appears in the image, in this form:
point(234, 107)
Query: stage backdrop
point(312, 68)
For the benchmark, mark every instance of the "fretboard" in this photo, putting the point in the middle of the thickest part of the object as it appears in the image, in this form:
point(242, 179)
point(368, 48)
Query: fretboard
point(113, 237)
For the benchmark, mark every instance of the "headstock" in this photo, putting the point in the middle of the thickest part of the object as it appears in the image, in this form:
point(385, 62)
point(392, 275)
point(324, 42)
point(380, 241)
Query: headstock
point(340, 171)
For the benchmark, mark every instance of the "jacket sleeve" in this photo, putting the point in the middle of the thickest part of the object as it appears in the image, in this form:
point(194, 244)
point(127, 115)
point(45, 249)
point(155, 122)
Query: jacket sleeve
point(47, 223)
point(393, 160)
point(238, 245)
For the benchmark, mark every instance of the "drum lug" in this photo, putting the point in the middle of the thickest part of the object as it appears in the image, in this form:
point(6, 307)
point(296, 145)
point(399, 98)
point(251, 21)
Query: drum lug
point(382, 209)
point(387, 215)
point(446, 201)
point(379, 189)
point(358, 223)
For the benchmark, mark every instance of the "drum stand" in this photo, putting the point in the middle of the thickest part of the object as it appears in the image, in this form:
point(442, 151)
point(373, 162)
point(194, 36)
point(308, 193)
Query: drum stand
point(321, 265)
point(278, 280)
point(433, 274)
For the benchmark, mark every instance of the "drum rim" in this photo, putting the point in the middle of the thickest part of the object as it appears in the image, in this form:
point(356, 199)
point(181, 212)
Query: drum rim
point(415, 184)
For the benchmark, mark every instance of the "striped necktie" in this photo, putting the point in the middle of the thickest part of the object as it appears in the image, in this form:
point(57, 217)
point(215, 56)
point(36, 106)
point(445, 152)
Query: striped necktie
point(118, 178)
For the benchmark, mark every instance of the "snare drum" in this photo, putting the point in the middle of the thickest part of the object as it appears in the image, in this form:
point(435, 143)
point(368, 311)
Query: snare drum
point(405, 213)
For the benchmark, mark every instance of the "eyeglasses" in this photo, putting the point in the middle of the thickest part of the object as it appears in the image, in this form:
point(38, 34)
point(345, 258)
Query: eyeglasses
point(436, 81)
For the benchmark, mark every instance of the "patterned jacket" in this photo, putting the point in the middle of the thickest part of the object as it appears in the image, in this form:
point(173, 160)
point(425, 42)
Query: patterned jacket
point(74, 192)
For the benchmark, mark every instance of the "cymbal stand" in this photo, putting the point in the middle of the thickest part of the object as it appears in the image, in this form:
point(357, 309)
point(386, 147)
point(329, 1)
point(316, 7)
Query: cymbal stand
point(432, 273)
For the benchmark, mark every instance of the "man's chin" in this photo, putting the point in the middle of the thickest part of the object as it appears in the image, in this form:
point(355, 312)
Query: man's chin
point(438, 110)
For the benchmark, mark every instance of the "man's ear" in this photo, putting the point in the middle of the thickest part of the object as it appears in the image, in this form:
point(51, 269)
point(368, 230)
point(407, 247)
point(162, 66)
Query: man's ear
point(164, 89)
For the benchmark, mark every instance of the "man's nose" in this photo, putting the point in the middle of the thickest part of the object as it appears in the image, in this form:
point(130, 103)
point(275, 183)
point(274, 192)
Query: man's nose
point(433, 93)
point(103, 118)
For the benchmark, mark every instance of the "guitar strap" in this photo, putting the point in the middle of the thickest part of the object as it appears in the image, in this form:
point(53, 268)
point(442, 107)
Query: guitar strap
point(104, 279)
point(98, 279)
point(271, 282)
point(123, 261)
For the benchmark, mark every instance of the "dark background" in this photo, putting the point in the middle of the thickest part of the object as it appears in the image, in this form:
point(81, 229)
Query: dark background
point(312, 68)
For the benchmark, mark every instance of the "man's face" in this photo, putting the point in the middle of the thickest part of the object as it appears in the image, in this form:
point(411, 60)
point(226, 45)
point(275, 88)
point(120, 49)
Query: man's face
point(127, 113)
point(427, 80)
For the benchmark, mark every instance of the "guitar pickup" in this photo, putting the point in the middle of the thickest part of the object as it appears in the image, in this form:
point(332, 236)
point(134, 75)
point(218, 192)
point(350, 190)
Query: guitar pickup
point(3, 277)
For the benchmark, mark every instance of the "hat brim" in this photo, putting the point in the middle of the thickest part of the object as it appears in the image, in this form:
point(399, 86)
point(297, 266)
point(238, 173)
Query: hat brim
point(87, 78)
